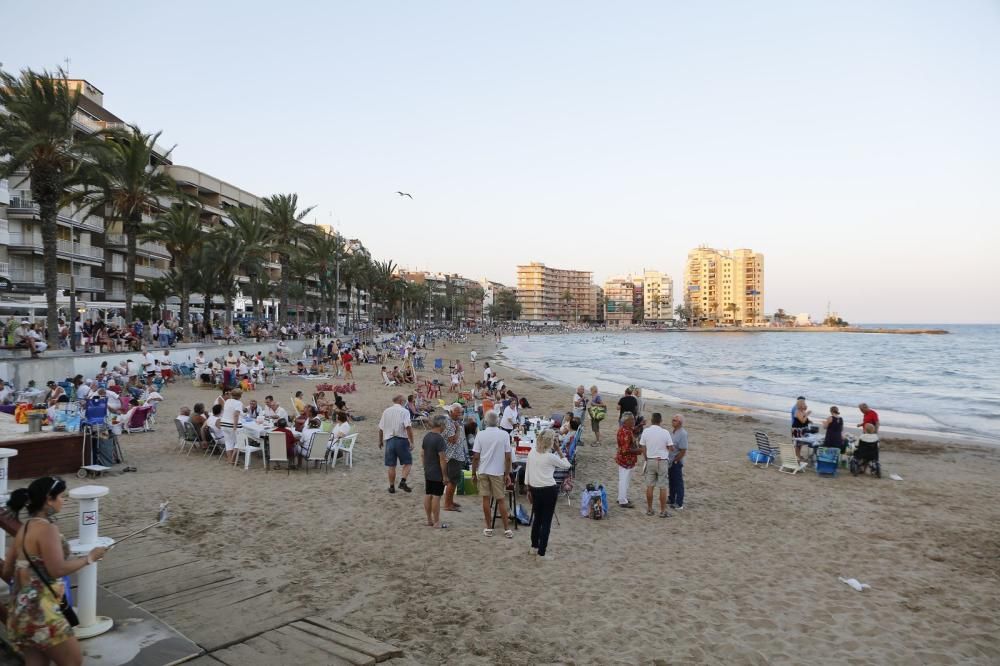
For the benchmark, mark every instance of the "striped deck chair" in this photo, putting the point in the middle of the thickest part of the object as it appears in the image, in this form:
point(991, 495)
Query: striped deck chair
point(790, 463)
point(767, 452)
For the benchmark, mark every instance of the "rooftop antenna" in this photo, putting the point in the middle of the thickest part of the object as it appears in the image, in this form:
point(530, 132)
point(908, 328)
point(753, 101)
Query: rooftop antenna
point(67, 61)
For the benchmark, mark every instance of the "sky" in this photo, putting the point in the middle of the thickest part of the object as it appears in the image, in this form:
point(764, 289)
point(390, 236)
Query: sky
point(855, 143)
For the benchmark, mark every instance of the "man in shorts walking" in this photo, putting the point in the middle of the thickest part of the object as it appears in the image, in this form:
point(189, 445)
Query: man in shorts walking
point(395, 436)
point(434, 466)
point(491, 471)
point(656, 445)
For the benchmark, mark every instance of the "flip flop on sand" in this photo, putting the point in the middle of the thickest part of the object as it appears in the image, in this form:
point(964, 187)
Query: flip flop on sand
point(454, 508)
point(509, 534)
point(488, 532)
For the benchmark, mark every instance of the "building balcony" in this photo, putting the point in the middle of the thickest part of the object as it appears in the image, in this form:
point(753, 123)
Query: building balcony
point(64, 248)
point(4, 192)
point(26, 209)
point(149, 272)
point(143, 247)
point(4, 269)
point(37, 278)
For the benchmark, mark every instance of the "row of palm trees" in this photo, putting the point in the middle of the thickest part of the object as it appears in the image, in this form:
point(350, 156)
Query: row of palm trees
point(114, 173)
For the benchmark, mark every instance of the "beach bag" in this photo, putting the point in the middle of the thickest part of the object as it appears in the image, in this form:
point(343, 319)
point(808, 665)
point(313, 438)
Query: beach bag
point(756, 457)
point(596, 509)
point(597, 412)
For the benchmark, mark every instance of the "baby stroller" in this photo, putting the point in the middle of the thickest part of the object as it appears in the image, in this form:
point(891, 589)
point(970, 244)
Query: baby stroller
point(865, 456)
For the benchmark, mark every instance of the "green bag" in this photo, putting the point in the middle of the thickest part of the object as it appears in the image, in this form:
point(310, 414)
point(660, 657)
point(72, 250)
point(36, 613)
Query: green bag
point(597, 412)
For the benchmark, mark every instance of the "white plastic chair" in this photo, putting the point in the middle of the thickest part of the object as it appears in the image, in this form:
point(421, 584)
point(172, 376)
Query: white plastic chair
point(345, 445)
point(243, 446)
point(277, 453)
point(317, 449)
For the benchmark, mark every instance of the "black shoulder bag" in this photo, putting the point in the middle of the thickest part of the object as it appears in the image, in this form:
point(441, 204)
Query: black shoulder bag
point(64, 606)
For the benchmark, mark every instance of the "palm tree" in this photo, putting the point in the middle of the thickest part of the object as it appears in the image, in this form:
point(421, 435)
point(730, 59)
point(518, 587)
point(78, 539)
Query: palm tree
point(325, 254)
point(732, 308)
point(287, 228)
point(157, 291)
point(130, 185)
point(229, 253)
point(36, 136)
point(380, 280)
point(179, 229)
point(780, 316)
point(255, 236)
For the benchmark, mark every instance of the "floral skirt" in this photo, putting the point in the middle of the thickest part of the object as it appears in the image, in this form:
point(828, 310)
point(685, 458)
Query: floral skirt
point(34, 619)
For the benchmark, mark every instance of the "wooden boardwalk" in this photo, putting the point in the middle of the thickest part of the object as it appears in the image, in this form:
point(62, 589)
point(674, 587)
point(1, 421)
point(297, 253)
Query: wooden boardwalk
point(236, 621)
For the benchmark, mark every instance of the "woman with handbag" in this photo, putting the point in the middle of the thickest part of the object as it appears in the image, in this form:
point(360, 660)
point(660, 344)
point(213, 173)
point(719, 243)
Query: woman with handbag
point(39, 619)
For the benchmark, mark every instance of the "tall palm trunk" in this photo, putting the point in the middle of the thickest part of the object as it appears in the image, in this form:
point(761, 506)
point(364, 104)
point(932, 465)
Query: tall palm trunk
point(185, 311)
point(46, 190)
point(132, 225)
point(283, 315)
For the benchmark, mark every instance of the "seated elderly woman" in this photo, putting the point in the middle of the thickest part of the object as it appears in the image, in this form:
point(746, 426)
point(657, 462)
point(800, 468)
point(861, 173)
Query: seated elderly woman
point(325, 406)
point(565, 439)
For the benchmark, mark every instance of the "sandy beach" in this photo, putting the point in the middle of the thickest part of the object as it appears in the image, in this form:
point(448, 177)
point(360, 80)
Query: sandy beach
point(747, 573)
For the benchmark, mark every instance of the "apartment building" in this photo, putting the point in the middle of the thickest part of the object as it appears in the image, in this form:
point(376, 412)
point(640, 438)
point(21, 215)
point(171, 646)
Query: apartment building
point(450, 297)
point(554, 294)
point(725, 286)
point(491, 293)
point(657, 297)
point(619, 301)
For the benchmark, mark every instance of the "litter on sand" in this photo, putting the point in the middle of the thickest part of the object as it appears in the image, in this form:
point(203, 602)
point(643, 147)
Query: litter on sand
point(853, 582)
point(895, 477)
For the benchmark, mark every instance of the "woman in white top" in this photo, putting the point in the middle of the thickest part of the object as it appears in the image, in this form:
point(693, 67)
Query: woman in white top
point(543, 460)
point(232, 418)
point(340, 431)
point(510, 418)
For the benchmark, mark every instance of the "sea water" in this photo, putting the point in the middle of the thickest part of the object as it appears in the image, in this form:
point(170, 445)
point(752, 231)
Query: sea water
point(918, 383)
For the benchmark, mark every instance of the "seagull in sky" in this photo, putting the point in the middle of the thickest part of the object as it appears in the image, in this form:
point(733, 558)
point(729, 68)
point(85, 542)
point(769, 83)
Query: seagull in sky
point(404, 194)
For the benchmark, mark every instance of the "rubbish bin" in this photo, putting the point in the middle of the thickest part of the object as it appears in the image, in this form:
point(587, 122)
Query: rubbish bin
point(35, 422)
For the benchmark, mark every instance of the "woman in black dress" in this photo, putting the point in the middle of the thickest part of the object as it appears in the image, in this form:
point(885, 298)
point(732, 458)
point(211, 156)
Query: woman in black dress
point(834, 426)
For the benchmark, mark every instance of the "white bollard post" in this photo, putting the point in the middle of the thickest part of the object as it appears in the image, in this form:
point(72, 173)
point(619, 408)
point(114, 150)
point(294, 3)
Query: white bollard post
point(5, 456)
point(91, 624)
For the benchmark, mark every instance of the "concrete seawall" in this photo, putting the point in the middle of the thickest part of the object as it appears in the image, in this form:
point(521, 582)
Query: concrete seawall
point(61, 365)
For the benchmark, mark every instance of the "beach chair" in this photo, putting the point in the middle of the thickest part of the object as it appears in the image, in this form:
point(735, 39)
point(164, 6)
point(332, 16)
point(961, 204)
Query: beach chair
point(180, 433)
point(439, 365)
point(345, 446)
point(96, 413)
point(765, 454)
point(278, 453)
point(790, 463)
point(215, 444)
point(317, 449)
point(243, 447)
point(827, 460)
point(138, 421)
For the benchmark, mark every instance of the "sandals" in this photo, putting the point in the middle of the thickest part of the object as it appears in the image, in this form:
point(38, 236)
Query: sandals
point(488, 532)
point(508, 533)
point(650, 513)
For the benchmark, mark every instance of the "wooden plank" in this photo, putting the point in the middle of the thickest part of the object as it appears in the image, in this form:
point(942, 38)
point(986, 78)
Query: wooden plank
point(376, 650)
point(204, 626)
point(242, 654)
point(204, 660)
point(146, 565)
point(151, 586)
point(334, 625)
point(198, 594)
point(340, 654)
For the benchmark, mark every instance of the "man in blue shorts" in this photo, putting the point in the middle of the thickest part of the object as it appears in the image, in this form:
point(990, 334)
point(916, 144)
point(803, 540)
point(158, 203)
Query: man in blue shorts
point(395, 436)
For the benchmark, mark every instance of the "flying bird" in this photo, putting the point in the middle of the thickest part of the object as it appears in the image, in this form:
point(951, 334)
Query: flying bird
point(404, 194)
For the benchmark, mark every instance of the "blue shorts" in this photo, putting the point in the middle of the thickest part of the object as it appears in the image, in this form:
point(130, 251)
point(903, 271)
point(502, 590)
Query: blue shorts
point(397, 452)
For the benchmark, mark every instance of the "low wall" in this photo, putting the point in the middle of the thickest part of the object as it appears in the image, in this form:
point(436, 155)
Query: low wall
point(62, 365)
point(45, 454)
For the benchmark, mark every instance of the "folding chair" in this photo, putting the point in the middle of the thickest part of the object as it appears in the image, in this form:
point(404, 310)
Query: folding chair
point(317, 449)
point(790, 463)
point(190, 437)
point(765, 454)
point(345, 446)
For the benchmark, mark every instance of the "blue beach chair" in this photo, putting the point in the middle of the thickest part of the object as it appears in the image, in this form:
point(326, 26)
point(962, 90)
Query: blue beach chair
point(827, 461)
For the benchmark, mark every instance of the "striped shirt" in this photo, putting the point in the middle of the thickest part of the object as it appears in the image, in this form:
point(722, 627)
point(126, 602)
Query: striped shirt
point(394, 422)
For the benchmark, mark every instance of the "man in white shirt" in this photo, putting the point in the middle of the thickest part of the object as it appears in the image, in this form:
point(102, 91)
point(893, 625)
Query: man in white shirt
point(656, 445)
point(231, 419)
point(395, 436)
point(83, 391)
point(491, 471)
point(148, 363)
point(273, 410)
point(487, 373)
point(579, 402)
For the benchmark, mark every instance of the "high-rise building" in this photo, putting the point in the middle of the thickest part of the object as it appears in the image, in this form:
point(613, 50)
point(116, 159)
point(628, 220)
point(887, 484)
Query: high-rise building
point(725, 287)
point(619, 301)
point(554, 294)
point(657, 297)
